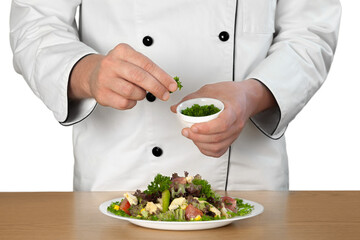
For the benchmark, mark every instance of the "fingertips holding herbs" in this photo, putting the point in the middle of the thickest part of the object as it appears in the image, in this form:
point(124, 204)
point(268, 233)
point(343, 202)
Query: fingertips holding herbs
point(179, 84)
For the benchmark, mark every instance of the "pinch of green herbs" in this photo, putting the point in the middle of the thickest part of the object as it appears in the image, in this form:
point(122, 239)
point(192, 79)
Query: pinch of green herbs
point(179, 84)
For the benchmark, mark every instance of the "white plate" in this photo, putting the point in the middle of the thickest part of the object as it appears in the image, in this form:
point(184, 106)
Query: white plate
point(164, 225)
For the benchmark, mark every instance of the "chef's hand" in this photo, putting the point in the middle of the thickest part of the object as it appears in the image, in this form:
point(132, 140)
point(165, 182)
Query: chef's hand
point(241, 99)
point(119, 79)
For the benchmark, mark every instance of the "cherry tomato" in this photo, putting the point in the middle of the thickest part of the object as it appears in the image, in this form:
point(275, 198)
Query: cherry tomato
point(125, 205)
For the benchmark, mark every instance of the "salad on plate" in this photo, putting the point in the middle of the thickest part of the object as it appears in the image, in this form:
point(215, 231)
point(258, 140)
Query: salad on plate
point(181, 199)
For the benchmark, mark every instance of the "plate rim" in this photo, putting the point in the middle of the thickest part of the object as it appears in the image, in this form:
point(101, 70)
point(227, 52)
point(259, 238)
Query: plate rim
point(174, 225)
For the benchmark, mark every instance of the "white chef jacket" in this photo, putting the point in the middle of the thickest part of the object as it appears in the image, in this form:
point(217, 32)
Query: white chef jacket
point(288, 45)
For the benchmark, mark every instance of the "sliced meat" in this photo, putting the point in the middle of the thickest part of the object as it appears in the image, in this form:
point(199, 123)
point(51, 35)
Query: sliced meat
point(179, 180)
point(229, 203)
point(192, 212)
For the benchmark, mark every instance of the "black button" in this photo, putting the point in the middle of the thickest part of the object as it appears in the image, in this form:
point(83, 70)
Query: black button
point(224, 36)
point(157, 151)
point(148, 41)
point(150, 97)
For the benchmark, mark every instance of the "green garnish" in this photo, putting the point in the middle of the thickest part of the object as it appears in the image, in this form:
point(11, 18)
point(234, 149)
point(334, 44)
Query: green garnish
point(243, 208)
point(200, 111)
point(206, 191)
point(178, 82)
point(118, 212)
point(160, 184)
point(210, 218)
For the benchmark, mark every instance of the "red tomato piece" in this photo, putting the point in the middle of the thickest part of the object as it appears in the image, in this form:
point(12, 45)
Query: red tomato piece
point(125, 205)
point(180, 180)
point(229, 203)
point(192, 212)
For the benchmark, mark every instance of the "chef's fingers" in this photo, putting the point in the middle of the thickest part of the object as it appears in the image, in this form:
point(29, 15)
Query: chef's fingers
point(128, 54)
point(214, 150)
point(173, 108)
point(114, 100)
point(126, 89)
point(209, 138)
point(141, 78)
point(211, 154)
point(218, 125)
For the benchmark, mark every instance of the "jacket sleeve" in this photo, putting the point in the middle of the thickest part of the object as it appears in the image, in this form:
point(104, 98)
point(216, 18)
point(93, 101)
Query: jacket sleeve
point(45, 43)
point(298, 60)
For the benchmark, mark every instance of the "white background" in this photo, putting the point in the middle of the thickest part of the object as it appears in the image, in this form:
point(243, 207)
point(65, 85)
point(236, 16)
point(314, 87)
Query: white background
point(323, 145)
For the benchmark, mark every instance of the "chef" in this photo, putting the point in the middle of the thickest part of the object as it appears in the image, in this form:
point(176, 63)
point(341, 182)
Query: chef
point(110, 78)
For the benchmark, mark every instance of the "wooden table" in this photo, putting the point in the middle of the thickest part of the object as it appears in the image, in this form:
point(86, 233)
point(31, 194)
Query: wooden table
point(287, 215)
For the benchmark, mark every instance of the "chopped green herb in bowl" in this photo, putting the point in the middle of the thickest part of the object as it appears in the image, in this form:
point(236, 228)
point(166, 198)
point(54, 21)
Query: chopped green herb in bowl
point(199, 110)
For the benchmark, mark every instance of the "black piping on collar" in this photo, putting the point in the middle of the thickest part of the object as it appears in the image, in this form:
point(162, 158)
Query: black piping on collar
point(233, 79)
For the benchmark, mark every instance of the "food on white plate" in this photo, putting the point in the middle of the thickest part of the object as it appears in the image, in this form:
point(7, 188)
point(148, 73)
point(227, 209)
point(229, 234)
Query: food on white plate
point(188, 198)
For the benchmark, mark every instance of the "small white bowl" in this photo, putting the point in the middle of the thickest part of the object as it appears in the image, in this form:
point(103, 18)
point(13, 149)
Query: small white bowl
point(188, 121)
